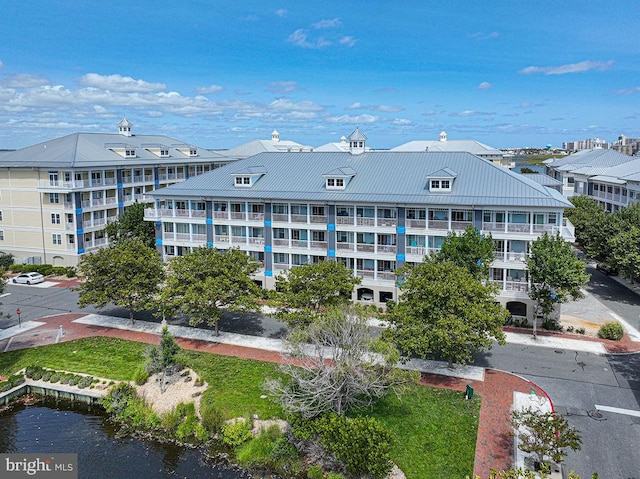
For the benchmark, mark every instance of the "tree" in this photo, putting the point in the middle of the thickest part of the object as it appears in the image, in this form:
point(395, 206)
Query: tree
point(444, 311)
point(556, 273)
point(131, 224)
point(544, 434)
point(162, 358)
point(307, 289)
point(625, 252)
point(470, 250)
point(127, 273)
point(335, 364)
point(587, 217)
point(205, 280)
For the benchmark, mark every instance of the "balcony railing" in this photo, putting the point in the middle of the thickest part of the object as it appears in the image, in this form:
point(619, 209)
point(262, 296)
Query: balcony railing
point(385, 248)
point(439, 224)
point(345, 246)
point(221, 215)
point(280, 217)
point(256, 216)
point(221, 238)
point(365, 273)
point(417, 224)
point(318, 219)
point(319, 245)
point(460, 225)
point(365, 221)
point(344, 220)
point(386, 275)
point(280, 241)
point(416, 250)
point(239, 239)
point(238, 215)
point(256, 240)
point(365, 247)
point(493, 226)
point(299, 244)
point(154, 213)
point(387, 222)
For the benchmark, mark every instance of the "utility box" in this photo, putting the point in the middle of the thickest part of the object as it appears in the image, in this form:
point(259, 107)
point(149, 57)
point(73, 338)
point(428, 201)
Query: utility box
point(469, 392)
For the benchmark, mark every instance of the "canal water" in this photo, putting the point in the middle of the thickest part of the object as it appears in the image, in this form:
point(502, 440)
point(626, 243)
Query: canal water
point(59, 427)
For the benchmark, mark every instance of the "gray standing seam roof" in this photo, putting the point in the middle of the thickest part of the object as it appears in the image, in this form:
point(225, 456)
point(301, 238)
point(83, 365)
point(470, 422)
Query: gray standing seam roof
point(380, 177)
point(86, 150)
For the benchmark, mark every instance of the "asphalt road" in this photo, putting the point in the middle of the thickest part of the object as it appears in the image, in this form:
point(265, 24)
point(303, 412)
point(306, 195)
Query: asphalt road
point(616, 297)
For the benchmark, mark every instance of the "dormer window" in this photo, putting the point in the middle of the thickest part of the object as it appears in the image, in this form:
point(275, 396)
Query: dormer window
point(248, 177)
point(193, 152)
point(339, 178)
point(130, 153)
point(164, 153)
point(441, 181)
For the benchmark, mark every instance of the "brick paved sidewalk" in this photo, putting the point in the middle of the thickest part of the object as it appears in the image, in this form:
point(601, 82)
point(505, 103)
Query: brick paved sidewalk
point(494, 447)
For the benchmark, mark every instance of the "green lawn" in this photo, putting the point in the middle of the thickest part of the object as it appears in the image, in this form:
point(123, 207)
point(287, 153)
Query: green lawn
point(435, 429)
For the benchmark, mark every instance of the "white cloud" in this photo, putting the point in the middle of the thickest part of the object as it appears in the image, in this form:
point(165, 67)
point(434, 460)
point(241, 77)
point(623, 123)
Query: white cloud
point(281, 12)
point(381, 108)
point(483, 36)
point(628, 91)
point(283, 86)
point(299, 38)
point(579, 67)
point(205, 90)
point(485, 85)
point(119, 83)
point(402, 122)
point(467, 113)
point(347, 40)
point(286, 104)
point(354, 119)
point(332, 23)
point(430, 113)
point(24, 81)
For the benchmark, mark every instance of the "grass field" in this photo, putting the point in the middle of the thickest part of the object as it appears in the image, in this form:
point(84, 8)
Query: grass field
point(435, 429)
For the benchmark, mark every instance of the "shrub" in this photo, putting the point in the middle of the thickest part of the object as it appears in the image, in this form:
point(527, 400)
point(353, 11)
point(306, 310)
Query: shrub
point(118, 397)
point(235, 433)
point(171, 420)
point(362, 444)
point(581, 331)
point(335, 475)
point(85, 381)
point(212, 417)
point(611, 330)
point(55, 377)
point(570, 329)
point(258, 451)
point(140, 376)
point(315, 472)
point(47, 375)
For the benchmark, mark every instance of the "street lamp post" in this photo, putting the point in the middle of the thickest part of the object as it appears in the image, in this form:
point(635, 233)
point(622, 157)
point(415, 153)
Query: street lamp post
point(18, 312)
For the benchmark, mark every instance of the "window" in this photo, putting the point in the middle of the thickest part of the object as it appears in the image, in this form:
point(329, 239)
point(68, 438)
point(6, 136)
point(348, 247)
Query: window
point(445, 184)
point(331, 182)
point(130, 153)
point(54, 198)
point(1, 216)
point(193, 152)
point(246, 180)
point(440, 185)
point(1, 235)
point(56, 238)
point(281, 258)
point(435, 184)
point(238, 180)
point(168, 227)
point(335, 183)
point(164, 153)
point(55, 218)
point(71, 239)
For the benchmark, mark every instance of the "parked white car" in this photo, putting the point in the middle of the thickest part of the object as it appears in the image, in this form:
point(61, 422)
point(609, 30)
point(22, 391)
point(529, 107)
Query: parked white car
point(29, 278)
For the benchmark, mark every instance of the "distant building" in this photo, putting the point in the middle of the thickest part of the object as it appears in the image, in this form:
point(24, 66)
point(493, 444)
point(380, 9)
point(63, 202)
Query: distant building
point(56, 197)
point(470, 146)
point(628, 146)
point(254, 147)
point(588, 144)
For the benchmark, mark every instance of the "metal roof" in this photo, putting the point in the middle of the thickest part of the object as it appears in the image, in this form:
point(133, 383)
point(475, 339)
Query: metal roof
point(542, 179)
point(381, 177)
point(593, 157)
point(86, 150)
point(470, 146)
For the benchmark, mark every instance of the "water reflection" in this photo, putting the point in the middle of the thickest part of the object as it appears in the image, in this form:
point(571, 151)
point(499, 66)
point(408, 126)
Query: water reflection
point(49, 426)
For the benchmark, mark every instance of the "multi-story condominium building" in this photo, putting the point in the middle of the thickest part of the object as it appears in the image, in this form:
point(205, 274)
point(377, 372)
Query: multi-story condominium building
point(372, 211)
point(56, 197)
point(274, 145)
point(628, 146)
point(470, 146)
point(574, 171)
point(588, 144)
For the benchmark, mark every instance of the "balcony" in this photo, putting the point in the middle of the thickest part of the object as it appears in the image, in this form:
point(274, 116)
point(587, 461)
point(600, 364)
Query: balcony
point(319, 245)
point(304, 244)
point(221, 215)
point(256, 216)
point(164, 177)
point(416, 224)
point(365, 221)
point(365, 274)
point(416, 250)
point(93, 203)
point(280, 241)
point(518, 227)
point(517, 286)
point(439, 224)
point(238, 215)
point(388, 222)
point(57, 185)
point(239, 240)
point(365, 247)
point(344, 220)
point(94, 223)
point(345, 246)
point(221, 239)
point(280, 217)
point(298, 218)
point(256, 240)
point(318, 219)
point(493, 226)
point(386, 275)
point(460, 225)
point(386, 248)
point(151, 214)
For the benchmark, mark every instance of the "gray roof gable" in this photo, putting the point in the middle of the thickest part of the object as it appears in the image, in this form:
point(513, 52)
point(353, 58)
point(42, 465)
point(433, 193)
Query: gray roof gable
point(381, 177)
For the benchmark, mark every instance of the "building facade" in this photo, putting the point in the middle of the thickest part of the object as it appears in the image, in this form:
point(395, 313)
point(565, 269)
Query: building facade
point(56, 197)
point(372, 211)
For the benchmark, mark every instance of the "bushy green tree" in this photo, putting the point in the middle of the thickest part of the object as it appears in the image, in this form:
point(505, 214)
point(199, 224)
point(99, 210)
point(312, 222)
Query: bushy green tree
point(308, 289)
point(131, 224)
point(204, 281)
point(470, 250)
point(545, 434)
point(163, 358)
point(127, 273)
point(625, 252)
point(444, 311)
point(556, 273)
point(587, 217)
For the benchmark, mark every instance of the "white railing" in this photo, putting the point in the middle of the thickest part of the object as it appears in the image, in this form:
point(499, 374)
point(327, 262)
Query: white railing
point(280, 242)
point(383, 248)
point(387, 221)
point(280, 217)
point(345, 246)
point(221, 239)
point(154, 213)
point(439, 224)
point(365, 221)
point(319, 245)
point(256, 216)
point(318, 219)
point(493, 226)
point(221, 215)
point(365, 247)
point(298, 218)
point(365, 274)
point(344, 220)
point(460, 225)
point(418, 224)
point(416, 250)
point(386, 275)
point(256, 240)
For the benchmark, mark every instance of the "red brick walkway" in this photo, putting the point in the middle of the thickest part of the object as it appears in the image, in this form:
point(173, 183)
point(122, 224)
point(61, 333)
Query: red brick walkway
point(494, 446)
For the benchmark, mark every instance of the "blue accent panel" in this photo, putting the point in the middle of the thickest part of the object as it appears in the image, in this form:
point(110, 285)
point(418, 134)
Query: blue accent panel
point(331, 227)
point(80, 231)
point(119, 185)
point(401, 230)
point(78, 211)
point(268, 273)
point(80, 250)
point(331, 253)
point(158, 223)
point(267, 248)
point(209, 244)
point(120, 204)
point(400, 257)
point(158, 241)
point(156, 183)
point(209, 221)
point(267, 223)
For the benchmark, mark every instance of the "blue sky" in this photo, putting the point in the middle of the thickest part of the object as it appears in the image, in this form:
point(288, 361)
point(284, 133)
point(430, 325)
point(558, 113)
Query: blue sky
point(220, 73)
